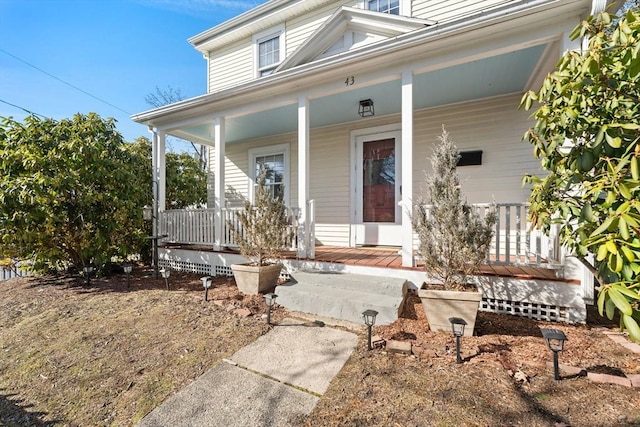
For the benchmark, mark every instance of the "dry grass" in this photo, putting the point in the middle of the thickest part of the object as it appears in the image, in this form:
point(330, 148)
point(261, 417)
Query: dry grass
point(107, 355)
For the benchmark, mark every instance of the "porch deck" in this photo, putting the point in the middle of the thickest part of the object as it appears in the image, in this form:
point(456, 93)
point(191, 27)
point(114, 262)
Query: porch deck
point(386, 257)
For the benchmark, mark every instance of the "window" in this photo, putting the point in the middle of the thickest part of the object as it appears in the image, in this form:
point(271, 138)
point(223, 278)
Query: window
point(275, 161)
point(393, 7)
point(268, 50)
point(384, 6)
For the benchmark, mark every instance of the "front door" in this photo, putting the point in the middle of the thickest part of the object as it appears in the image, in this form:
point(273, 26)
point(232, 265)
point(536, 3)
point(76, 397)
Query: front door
point(378, 216)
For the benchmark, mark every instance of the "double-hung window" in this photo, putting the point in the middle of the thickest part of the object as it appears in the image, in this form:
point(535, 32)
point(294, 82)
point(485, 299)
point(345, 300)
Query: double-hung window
point(274, 160)
point(268, 50)
point(393, 7)
point(384, 6)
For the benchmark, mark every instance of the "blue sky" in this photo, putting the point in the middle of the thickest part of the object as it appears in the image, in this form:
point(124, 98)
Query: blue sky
point(116, 50)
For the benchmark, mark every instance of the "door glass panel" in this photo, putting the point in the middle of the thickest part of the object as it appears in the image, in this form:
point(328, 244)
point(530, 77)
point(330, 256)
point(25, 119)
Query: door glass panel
point(379, 181)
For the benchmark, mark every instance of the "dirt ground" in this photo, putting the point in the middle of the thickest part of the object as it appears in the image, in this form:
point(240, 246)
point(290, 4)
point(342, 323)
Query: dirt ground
point(106, 354)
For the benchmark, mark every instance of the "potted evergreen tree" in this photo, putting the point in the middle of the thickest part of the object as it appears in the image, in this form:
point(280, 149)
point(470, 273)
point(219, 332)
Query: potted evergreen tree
point(262, 233)
point(453, 240)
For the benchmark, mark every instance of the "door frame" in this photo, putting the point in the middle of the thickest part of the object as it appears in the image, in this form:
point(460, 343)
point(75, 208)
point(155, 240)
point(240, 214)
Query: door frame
point(393, 130)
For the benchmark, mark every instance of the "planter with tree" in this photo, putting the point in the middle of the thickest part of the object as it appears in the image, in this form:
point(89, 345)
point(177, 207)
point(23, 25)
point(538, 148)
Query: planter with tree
point(454, 239)
point(262, 232)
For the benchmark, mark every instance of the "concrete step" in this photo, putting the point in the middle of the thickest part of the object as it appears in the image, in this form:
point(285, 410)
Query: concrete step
point(343, 296)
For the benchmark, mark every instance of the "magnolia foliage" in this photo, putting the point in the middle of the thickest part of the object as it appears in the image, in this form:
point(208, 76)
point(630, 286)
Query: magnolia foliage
point(587, 135)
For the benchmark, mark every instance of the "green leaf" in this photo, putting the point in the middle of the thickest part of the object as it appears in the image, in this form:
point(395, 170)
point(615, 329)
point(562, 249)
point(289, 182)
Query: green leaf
point(601, 299)
point(631, 293)
point(624, 230)
point(603, 227)
point(620, 301)
point(628, 253)
point(632, 327)
point(602, 252)
point(609, 308)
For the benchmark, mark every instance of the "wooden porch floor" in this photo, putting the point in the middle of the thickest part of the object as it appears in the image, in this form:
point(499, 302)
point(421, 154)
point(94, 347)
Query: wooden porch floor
point(390, 258)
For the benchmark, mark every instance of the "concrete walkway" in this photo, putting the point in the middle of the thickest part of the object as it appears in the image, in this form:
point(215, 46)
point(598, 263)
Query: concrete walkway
point(270, 382)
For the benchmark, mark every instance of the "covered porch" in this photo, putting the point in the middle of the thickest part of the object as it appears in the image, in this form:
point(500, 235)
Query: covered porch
point(464, 74)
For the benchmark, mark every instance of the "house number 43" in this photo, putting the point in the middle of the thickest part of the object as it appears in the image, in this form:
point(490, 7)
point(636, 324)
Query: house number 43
point(350, 81)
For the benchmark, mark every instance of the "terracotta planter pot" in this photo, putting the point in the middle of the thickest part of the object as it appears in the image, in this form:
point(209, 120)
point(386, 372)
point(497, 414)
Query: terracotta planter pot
point(439, 306)
point(252, 279)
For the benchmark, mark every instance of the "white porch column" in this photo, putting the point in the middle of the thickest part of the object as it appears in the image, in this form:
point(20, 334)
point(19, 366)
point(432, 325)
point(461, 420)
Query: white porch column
point(407, 168)
point(162, 171)
point(303, 174)
point(218, 171)
point(154, 176)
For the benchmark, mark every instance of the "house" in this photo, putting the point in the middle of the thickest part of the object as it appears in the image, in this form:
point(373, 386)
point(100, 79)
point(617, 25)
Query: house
point(342, 101)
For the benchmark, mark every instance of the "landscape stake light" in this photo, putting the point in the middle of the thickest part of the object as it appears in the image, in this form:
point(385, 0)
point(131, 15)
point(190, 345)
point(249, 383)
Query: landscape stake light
point(269, 299)
point(206, 284)
point(127, 269)
point(87, 272)
point(457, 327)
point(165, 272)
point(555, 339)
point(369, 317)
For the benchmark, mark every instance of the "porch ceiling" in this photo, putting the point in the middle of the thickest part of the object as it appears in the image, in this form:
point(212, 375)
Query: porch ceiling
point(497, 75)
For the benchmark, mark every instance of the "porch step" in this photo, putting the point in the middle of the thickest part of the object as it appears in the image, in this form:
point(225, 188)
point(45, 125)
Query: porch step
point(343, 296)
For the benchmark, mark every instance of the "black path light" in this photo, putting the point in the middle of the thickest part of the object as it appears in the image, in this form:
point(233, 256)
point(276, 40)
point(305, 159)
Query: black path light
point(206, 284)
point(369, 317)
point(127, 269)
point(269, 299)
point(555, 339)
point(165, 272)
point(87, 269)
point(457, 327)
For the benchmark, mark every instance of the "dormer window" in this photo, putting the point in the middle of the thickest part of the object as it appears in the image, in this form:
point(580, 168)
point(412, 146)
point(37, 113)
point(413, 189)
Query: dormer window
point(392, 7)
point(268, 50)
point(384, 6)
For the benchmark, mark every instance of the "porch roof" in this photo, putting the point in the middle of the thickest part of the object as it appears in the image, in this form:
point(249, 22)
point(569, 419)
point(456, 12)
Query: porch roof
point(503, 51)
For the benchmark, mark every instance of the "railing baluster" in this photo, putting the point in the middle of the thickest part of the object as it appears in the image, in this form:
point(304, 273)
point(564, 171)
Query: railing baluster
point(498, 234)
point(507, 233)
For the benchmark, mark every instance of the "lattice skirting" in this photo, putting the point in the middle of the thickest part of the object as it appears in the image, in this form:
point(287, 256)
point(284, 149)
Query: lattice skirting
point(545, 312)
point(214, 267)
point(189, 266)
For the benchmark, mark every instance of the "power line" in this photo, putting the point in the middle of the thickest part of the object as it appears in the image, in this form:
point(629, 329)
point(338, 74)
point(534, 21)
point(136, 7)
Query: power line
point(67, 83)
point(23, 109)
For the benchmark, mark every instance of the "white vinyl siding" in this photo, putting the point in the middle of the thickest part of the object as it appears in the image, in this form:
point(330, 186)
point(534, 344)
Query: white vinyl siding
point(445, 10)
point(299, 29)
point(231, 66)
point(494, 126)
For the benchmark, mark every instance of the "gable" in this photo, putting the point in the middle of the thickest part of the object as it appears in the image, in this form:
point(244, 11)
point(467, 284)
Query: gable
point(349, 29)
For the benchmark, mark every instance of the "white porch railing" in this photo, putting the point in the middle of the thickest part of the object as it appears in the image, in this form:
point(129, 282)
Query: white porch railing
point(514, 242)
point(229, 216)
point(196, 226)
point(188, 226)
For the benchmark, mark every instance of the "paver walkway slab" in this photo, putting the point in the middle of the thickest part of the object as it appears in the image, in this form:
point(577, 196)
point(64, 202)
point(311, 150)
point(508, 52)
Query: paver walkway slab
point(258, 391)
point(302, 354)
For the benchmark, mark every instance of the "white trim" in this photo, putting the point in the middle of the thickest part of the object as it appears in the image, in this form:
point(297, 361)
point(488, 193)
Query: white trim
point(303, 175)
point(219, 178)
point(271, 33)
point(406, 198)
point(393, 130)
point(267, 151)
